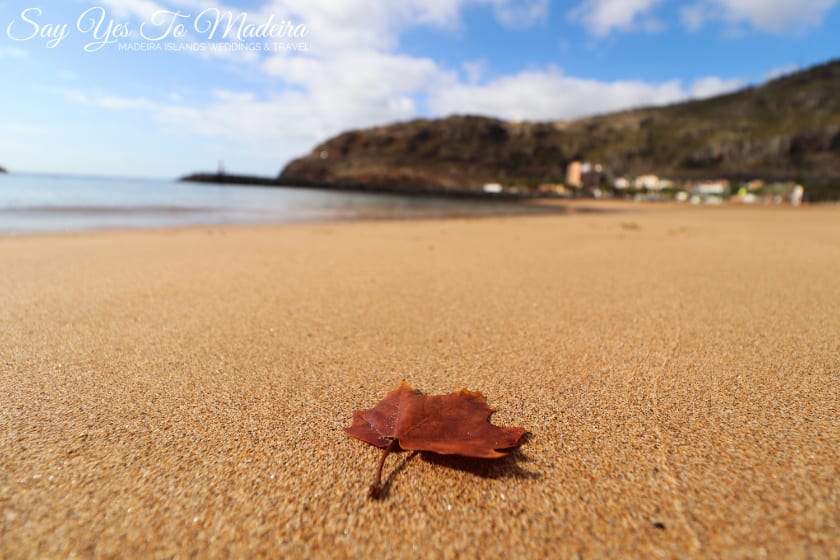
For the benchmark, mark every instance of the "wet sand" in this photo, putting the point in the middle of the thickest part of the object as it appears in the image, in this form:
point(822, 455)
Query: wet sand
point(183, 392)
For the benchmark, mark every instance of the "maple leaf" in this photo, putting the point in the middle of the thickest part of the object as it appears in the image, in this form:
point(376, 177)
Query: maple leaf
point(454, 424)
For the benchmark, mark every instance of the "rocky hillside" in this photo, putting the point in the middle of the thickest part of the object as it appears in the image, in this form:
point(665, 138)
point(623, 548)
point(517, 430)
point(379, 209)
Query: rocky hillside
point(787, 128)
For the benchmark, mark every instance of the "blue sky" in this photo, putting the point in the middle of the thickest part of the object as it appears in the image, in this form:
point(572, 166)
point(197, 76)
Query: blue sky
point(143, 100)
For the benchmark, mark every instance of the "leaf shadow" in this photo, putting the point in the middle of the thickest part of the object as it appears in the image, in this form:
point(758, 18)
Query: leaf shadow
point(508, 466)
point(385, 488)
point(501, 468)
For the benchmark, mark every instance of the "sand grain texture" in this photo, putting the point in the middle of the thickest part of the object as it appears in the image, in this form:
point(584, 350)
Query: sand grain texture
point(183, 393)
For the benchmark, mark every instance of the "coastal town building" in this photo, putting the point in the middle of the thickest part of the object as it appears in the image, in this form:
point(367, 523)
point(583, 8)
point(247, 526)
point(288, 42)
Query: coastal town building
point(592, 179)
point(585, 175)
point(649, 182)
point(574, 175)
point(797, 195)
point(592, 174)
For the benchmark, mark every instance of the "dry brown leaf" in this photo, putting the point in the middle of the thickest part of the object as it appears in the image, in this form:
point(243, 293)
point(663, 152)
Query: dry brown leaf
point(454, 424)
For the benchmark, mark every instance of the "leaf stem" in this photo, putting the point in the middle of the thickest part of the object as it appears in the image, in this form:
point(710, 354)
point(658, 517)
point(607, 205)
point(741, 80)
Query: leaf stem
point(376, 487)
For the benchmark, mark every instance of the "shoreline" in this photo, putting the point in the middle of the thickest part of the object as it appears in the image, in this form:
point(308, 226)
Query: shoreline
point(527, 209)
point(503, 208)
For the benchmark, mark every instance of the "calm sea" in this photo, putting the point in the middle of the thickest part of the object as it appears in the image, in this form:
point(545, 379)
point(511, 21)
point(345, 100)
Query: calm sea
point(44, 203)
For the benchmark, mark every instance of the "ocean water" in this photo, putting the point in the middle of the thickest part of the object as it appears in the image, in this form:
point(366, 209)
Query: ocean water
point(50, 203)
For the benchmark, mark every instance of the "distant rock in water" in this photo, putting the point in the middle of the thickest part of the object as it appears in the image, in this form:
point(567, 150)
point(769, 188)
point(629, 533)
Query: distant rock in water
point(789, 127)
point(369, 187)
point(226, 179)
point(3, 169)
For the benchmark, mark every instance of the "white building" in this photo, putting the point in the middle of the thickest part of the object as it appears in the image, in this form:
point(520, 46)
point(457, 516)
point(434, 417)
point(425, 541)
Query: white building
point(713, 188)
point(649, 182)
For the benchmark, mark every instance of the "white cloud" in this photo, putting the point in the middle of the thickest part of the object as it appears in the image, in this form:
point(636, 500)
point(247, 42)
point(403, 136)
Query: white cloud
point(336, 26)
point(372, 24)
point(141, 9)
point(602, 17)
point(115, 102)
point(521, 14)
point(550, 95)
point(695, 15)
point(776, 16)
point(17, 129)
point(713, 85)
point(774, 73)
point(351, 77)
point(331, 26)
point(355, 24)
point(277, 129)
point(377, 24)
point(12, 52)
point(356, 90)
point(370, 71)
point(474, 70)
point(361, 88)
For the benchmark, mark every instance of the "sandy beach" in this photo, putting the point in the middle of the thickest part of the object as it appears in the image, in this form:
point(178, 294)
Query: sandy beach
point(182, 393)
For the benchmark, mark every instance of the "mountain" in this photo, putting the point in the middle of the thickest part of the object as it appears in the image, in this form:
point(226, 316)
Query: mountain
point(786, 128)
point(2, 169)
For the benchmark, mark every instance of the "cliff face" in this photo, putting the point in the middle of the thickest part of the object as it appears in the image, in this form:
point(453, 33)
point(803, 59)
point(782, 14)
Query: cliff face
point(789, 127)
point(455, 152)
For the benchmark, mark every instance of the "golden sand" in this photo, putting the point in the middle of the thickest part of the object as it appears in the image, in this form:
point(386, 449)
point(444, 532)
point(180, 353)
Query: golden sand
point(183, 392)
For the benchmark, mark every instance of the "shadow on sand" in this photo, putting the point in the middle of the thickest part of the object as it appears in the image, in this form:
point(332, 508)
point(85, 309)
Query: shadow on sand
point(509, 466)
